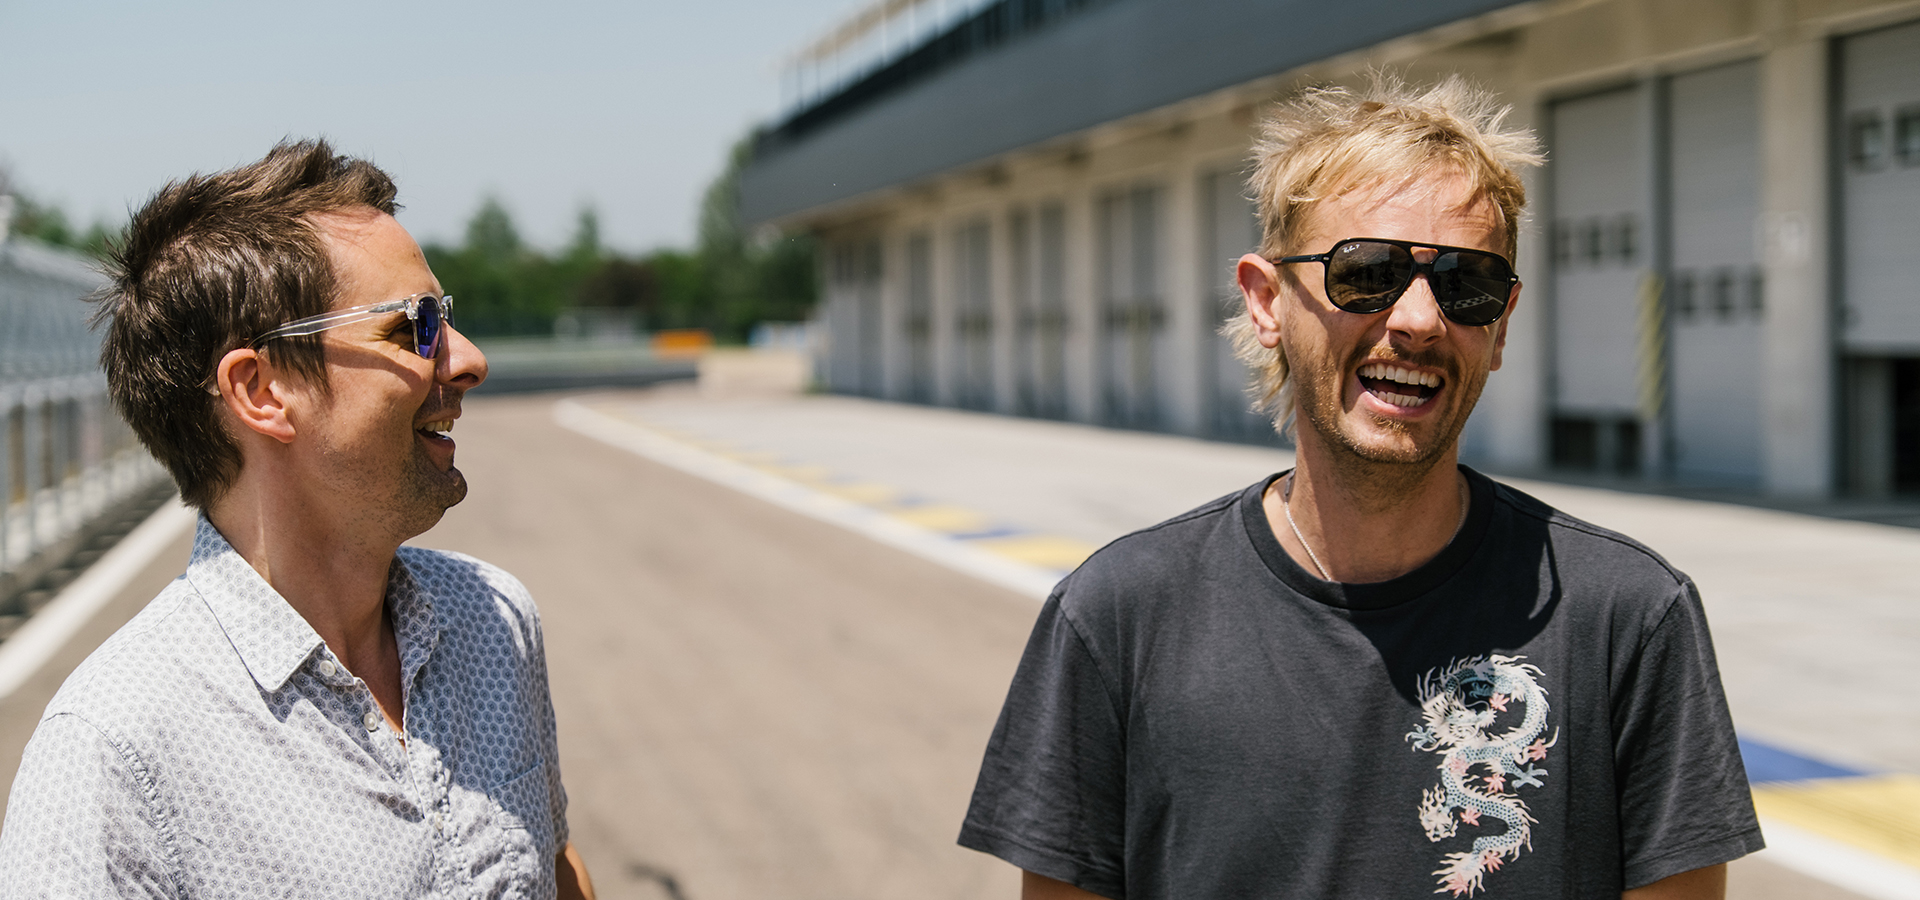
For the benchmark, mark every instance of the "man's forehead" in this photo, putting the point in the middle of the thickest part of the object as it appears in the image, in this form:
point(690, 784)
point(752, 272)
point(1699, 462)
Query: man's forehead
point(1422, 202)
point(352, 225)
point(372, 255)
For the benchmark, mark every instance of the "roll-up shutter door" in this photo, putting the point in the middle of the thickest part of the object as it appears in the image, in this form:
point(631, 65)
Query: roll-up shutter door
point(1135, 320)
point(1600, 178)
point(1715, 296)
point(1232, 229)
point(1880, 190)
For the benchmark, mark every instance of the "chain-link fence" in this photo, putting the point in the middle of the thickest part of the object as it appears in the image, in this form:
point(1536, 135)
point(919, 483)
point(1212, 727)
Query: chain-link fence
point(66, 457)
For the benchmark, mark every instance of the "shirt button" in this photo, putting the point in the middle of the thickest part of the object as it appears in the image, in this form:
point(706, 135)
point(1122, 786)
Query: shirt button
point(437, 822)
point(327, 668)
point(373, 720)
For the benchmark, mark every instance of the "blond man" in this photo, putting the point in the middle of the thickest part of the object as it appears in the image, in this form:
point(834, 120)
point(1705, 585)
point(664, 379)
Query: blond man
point(1379, 674)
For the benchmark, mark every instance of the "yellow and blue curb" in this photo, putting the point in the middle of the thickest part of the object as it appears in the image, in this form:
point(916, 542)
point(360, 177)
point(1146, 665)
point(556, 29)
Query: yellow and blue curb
point(1853, 828)
point(1003, 553)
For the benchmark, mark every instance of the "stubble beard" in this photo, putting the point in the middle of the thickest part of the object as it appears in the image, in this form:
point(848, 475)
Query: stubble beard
point(429, 493)
point(412, 499)
point(1379, 471)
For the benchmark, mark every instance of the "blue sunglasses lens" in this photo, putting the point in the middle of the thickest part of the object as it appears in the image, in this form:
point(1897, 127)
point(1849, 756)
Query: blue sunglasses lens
point(426, 327)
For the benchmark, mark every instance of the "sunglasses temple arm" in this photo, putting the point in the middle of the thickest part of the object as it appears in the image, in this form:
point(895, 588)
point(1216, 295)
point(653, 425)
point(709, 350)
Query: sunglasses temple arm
point(322, 323)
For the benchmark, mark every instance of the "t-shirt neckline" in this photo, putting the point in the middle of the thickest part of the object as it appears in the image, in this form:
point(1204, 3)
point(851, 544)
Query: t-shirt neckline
point(1376, 595)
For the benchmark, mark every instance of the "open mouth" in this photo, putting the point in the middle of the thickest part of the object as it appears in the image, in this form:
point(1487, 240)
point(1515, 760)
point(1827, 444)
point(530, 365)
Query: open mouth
point(435, 430)
point(1399, 386)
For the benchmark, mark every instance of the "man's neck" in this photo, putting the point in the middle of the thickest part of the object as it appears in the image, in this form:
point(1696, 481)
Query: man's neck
point(336, 579)
point(1365, 521)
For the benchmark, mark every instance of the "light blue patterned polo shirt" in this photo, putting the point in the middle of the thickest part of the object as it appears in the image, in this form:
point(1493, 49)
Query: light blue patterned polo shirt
point(215, 747)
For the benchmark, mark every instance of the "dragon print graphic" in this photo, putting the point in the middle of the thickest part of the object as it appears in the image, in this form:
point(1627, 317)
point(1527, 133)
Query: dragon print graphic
point(1481, 772)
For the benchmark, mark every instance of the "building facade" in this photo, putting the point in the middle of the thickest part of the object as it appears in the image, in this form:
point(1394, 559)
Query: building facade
point(1035, 209)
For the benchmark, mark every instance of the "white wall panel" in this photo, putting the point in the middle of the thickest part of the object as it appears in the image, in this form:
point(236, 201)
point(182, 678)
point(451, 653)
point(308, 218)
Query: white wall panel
point(973, 320)
point(1880, 189)
point(1601, 173)
point(1715, 294)
point(1231, 231)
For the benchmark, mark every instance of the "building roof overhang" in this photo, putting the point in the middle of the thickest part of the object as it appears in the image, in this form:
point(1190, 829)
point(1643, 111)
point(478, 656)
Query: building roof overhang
point(1110, 61)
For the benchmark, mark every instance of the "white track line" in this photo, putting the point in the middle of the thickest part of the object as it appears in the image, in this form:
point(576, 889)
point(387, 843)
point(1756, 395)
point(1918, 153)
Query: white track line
point(49, 629)
point(1020, 578)
point(1841, 865)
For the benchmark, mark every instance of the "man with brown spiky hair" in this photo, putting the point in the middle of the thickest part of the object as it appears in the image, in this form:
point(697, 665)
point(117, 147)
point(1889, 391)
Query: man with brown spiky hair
point(312, 710)
point(1380, 674)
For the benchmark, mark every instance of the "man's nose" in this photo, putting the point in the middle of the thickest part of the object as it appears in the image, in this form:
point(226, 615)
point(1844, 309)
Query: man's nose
point(461, 364)
point(1417, 313)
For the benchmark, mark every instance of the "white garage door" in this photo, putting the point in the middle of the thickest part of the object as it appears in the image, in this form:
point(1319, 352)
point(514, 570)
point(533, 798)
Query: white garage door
point(1601, 175)
point(1880, 190)
point(1714, 291)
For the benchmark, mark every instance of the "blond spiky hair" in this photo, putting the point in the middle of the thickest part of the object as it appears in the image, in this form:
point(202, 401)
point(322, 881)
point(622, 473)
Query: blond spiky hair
point(1331, 140)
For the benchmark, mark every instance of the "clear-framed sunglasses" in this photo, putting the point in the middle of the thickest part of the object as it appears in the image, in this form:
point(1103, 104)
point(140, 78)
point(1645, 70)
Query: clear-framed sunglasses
point(428, 312)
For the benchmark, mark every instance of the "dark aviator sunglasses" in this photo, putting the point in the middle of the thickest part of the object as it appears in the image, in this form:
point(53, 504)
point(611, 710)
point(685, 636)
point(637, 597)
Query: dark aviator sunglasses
point(1367, 275)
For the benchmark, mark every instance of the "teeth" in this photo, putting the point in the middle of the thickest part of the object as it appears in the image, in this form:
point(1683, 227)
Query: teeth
point(1400, 399)
point(440, 427)
point(1384, 372)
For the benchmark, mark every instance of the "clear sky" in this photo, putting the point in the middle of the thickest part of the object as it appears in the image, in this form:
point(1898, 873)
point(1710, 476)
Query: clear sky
point(629, 106)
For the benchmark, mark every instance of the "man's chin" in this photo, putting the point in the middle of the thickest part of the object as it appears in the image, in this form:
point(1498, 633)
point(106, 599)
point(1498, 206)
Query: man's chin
point(1393, 450)
point(455, 489)
point(1388, 442)
point(434, 494)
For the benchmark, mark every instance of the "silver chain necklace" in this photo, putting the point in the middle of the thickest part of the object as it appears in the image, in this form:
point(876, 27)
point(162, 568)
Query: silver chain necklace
point(1286, 506)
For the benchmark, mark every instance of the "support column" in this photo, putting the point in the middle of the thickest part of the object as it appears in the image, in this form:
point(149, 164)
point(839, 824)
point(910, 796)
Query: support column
point(1797, 365)
point(1512, 414)
point(1083, 307)
point(1184, 299)
point(1007, 326)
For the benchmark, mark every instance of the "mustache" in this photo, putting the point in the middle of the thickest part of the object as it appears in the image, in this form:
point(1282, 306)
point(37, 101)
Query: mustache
point(1429, 359)
point(444, 402)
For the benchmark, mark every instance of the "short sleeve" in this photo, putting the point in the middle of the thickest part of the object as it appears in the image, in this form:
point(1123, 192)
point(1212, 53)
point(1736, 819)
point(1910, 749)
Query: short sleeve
point(550, 732)
point(1051, 796)
point(1684, 799)
point(79, 822)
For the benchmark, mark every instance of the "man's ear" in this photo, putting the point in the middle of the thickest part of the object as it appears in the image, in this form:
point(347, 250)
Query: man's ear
point(252, 391)
point(1260, 284)
point(1500, 329)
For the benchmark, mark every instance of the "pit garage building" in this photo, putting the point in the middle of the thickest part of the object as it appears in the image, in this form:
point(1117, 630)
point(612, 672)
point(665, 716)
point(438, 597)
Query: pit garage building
point(1032, 207)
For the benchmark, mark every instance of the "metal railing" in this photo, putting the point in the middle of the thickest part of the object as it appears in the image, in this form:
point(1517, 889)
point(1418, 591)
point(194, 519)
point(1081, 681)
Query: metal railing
point(66, 458)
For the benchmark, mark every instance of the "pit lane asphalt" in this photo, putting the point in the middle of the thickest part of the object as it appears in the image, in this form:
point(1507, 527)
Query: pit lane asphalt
point(752, 704)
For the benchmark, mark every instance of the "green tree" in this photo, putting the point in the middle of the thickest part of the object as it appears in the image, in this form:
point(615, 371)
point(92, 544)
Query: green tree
point(748, 281)
point(731, 281)
point(500, 284)
point(50, 224)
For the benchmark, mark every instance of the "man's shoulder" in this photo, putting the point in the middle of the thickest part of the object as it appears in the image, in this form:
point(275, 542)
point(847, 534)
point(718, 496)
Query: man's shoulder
point(1576, 540)
point(456, 576)
point(1159, 558)
point(477, 601)
point(136, 672)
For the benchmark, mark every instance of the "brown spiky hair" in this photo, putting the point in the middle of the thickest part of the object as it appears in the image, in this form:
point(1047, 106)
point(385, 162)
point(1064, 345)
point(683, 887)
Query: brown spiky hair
point(1328, 141)
point(209, 263)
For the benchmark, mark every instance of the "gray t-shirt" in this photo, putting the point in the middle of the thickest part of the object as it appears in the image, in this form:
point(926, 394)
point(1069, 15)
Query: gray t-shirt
point(1535, 713)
